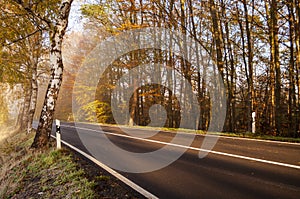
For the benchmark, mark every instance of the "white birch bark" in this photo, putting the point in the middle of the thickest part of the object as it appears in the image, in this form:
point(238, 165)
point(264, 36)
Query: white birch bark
point(57, 32)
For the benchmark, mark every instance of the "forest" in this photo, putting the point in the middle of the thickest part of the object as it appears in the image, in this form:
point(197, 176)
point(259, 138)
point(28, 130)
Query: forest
point(254, 46)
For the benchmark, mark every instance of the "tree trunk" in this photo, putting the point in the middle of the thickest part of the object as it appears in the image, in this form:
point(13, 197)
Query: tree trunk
point(35, 54)
point(57, 32)
point(217, 53)
point(292, 106)
point(272, 111)
point(24, 120)
point(199, 119)
point(33, 99)
point(232, 87)
point(250, 68)
point(133, 108)
point(217, 37)
point(276, 57)
point(297, 34)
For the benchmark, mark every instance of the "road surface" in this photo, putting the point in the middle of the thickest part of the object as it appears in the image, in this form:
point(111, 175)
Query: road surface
point(236, 168)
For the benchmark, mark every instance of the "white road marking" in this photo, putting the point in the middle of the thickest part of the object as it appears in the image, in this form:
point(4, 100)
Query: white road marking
point(208, 134)
point(252, 139)
point(193, 148)
point(112, 172)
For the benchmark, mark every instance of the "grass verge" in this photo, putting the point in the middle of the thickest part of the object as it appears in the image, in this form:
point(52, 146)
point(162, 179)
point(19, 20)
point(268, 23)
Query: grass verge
point(47, 174)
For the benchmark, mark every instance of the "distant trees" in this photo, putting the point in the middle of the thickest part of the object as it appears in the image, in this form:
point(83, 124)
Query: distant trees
point(77, 46)
point(254, 44)
point(21, 53)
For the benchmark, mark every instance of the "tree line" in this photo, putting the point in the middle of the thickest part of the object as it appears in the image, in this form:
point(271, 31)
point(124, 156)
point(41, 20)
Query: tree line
point(31, 34)
point(255, 46)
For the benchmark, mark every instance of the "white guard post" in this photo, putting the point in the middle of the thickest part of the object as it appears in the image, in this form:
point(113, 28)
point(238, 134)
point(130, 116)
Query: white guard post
point(58, 135)
point(253, 122)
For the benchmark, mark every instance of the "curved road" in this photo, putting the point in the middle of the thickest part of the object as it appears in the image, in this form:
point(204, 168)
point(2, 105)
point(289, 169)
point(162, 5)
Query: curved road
point(236, 168)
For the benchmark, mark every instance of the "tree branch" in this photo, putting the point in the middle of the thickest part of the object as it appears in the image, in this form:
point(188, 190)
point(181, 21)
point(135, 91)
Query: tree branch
point(22, 38)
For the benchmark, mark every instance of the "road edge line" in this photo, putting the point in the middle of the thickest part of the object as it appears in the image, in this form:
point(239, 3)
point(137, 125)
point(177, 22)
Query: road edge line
point(196, 149)
point(122, 178)
point(203, 135)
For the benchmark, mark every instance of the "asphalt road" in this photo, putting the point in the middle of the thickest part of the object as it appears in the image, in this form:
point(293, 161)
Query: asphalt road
point(236, 168)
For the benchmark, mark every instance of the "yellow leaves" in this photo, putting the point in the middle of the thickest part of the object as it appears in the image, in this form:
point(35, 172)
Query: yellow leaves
point(129, 26)
point(93, 10)
point(96, 111)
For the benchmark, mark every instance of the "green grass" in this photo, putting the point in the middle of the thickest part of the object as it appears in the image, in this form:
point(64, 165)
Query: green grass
point(47, 174)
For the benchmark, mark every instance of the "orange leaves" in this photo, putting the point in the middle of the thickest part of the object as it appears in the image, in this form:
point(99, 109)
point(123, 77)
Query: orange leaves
point(130, 26)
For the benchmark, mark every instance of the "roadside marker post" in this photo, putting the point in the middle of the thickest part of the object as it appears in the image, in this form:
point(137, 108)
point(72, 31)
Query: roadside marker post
point(58, 135)
point(253, 122)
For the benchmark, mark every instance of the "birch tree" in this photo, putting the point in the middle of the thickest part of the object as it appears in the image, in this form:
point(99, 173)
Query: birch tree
point(51, 16)
point(57, 32)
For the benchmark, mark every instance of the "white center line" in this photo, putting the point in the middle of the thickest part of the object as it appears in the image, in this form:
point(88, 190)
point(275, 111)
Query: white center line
point(192, 148)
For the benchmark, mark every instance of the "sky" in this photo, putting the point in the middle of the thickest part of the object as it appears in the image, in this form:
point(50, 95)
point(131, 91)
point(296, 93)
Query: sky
point(76, 20)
